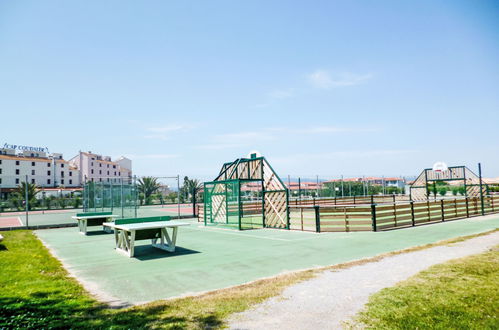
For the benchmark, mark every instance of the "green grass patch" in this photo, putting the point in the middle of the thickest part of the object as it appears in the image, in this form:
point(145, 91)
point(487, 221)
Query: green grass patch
point(459, 294)
point(37, 292)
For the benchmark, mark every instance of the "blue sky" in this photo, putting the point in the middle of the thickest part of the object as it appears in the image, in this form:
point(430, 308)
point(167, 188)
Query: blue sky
point(323, 88)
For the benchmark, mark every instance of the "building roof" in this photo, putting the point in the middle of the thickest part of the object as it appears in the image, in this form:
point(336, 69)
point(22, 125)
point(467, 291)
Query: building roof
point(24, 158)
point(106, 162)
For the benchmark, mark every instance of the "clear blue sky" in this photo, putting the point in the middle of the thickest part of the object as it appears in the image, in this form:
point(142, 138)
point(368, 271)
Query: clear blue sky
point(318, 87)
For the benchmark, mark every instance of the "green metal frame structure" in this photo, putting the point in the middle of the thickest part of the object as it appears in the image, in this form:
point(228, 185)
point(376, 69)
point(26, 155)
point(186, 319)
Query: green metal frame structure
point(474, 187)
point(119, 196)
point(246, 194)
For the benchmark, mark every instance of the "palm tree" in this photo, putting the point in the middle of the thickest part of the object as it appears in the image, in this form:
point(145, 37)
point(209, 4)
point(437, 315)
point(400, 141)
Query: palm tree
point(32, 190)
point(192, 187)
point(148, 185)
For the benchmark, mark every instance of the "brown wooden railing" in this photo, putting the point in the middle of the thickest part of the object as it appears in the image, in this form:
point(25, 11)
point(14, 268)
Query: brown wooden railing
point(388, 212)
point(376, 217)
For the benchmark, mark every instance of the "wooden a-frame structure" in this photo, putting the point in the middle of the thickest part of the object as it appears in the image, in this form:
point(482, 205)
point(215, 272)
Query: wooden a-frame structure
point(419, 190)
point(223, 202)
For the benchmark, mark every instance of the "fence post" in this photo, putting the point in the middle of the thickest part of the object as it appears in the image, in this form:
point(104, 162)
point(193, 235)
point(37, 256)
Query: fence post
point(373, 216)
point(442, 207)
point(467, 208)
point(394, 198)
point(301, 217)
point(412, 214)
point(481, 188)
point(27, 202)
point(317, 219)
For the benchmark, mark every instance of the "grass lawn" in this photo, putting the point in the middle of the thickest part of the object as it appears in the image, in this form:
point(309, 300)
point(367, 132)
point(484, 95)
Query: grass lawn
point(36, 292)
point(459, 294)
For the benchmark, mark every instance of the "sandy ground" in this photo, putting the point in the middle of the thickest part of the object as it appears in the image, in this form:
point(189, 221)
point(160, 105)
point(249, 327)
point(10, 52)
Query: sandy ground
point(334, 297)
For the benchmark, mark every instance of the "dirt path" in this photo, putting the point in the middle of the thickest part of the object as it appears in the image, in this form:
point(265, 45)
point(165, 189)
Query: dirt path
point(333, 297)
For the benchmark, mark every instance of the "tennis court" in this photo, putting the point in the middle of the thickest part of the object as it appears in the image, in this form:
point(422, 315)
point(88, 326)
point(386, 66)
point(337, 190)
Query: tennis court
point(209, 258)
point(63, 217)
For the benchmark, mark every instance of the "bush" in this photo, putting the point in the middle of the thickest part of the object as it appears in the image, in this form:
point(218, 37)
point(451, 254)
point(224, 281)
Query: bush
point(76, 202)
point(442, 191)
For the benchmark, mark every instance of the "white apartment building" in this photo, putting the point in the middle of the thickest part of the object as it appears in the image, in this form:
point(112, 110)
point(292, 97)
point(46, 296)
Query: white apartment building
point(38, 167)
point(98, 168)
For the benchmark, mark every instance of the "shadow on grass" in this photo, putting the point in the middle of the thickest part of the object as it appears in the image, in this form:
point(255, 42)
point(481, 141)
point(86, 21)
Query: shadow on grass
point(41, 311)
point(147, 252)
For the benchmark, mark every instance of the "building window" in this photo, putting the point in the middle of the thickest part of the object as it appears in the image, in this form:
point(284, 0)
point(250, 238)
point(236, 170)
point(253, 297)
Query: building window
point(62, 181)
point(17, 162)
point(70, 173)
point(114, 173)
point(92, 171)
point(48, 164)
point(48, 181)
point(62, 165)
point(32, 155)
point(33, 181)
point(107, 165)
point(32, 172)
point(114, 166)
point(0, 180)
point(119, 173)
point(62, 174)
point(0, 161)
point(100, 165)
point(70, 181)
point(107, 172)
point(100, 179)
point(32, 163)
point(48, 172)
point(0, 171)
point(17, 181)
point(92, 164)
point(17, 172)
point(100, 172)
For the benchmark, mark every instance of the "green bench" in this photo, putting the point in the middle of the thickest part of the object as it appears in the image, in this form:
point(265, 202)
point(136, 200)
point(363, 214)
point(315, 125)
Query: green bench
point(92, 219)
point(127, 231)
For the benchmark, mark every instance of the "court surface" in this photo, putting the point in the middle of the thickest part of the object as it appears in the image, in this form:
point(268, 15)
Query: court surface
point(210, 258)
point(58, 217)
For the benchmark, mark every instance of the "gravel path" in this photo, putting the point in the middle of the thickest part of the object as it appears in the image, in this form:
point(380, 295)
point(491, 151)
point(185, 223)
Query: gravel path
point(333, 297)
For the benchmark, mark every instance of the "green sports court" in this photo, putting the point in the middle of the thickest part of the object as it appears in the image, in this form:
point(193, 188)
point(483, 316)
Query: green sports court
point(210, 258)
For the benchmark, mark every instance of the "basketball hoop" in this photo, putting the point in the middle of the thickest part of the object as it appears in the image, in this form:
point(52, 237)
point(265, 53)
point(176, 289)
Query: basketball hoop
point(440, 167)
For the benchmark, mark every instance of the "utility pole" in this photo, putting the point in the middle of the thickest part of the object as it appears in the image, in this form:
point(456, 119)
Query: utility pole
point(342, 190)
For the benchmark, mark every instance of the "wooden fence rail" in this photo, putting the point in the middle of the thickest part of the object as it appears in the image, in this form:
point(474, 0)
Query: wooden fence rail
point(322, 215)
point(376, 217)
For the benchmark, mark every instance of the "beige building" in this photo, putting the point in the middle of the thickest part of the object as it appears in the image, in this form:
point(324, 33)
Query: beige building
point(98, 168)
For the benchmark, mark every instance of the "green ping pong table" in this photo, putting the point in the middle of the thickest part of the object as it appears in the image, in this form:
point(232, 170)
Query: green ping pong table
point(125, 234)
point(92, 219)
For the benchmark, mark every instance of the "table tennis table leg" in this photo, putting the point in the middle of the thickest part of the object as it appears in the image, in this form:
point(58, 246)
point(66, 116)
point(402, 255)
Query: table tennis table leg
point(132, 244)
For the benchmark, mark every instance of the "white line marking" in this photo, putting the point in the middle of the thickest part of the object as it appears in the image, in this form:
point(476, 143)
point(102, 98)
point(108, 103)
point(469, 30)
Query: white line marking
point(230, 232)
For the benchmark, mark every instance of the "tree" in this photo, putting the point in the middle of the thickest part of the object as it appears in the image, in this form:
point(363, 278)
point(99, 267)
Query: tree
point(148, 185)
point(191, 188)
point(31, 189)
